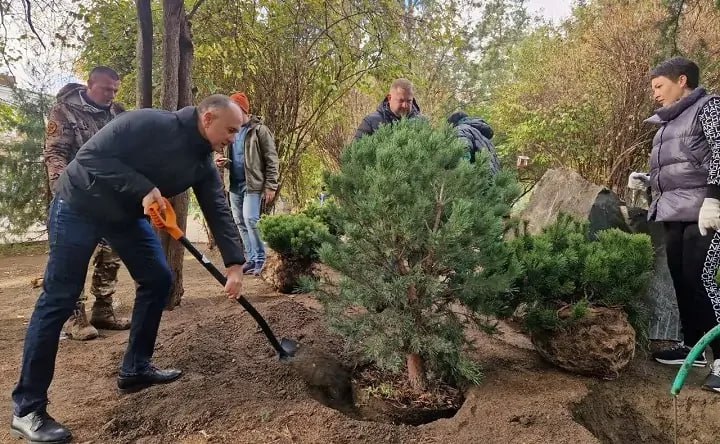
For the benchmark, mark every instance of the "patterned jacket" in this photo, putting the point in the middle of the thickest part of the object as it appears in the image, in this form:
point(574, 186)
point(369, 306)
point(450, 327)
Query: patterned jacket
point(71, 123)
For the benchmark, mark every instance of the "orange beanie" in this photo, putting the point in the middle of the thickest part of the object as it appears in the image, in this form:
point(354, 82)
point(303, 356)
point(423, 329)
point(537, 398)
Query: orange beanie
point(242, 101)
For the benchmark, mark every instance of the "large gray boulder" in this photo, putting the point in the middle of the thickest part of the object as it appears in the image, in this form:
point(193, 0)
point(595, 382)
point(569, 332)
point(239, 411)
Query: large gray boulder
point(565, 191)
point(665, 319)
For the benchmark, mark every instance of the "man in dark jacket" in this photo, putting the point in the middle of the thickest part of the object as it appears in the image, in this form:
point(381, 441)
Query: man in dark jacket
point(685, 180)
point(400, 102)
point(116, 176)
point(80, 112)
point(476, 134)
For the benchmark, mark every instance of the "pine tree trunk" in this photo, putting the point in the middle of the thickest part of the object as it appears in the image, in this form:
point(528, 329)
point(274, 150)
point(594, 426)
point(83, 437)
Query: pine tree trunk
point(416, 372)
point(144, 53)
point(177, 62)
point(414, 362)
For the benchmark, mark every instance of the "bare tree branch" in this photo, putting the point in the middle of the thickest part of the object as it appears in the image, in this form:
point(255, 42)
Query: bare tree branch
point(28, 18)
point(676, 26)
point(5, 35)
point(194, 9)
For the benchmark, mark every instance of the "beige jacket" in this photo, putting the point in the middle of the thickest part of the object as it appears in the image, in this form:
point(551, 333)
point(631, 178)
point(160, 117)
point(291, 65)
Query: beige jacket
point(261, 158)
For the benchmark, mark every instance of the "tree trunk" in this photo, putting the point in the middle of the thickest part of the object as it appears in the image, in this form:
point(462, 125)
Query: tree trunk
point(416, 372)
point(208, 233)
point(414, 362)
point(176, 73)
point(175, 252)
point(144, 53)
point(173, 12)
point(187, 53)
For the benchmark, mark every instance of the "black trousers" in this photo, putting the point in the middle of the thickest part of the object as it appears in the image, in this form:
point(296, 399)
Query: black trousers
point(694, 261)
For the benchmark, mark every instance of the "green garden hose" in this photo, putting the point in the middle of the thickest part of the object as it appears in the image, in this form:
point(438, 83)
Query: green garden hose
point(694, 353)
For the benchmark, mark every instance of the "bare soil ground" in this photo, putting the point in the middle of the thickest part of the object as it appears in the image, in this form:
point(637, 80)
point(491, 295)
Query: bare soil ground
point(234, 389)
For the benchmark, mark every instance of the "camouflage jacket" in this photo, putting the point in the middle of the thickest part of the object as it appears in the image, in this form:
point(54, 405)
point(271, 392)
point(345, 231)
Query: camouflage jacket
point(71, 123)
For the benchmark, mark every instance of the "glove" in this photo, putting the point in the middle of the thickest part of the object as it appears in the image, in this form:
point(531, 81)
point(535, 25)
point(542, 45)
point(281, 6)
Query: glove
point(709, 218)
point(638, 181)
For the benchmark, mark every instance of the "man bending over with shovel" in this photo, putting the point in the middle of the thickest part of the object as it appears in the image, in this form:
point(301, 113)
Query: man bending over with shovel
point(129, 165)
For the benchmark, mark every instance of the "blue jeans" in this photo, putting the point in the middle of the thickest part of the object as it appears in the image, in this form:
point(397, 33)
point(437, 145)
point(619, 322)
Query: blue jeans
point(73, 237)
point(245, 208)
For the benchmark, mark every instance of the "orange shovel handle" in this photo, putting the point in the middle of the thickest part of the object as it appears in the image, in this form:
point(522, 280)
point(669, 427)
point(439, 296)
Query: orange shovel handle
point(168, 222)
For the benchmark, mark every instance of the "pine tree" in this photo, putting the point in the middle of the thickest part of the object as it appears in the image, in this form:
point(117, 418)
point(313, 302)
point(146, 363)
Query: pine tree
point(24, 193)
point(566, 265)
point(422, 251)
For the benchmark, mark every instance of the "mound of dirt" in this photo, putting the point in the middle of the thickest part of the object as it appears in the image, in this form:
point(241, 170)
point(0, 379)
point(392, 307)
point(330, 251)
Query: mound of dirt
point(234, 389)
point(227, 362)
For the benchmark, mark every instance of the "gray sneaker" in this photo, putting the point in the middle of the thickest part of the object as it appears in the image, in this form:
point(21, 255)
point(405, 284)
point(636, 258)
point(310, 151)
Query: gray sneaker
point(248, 268)
point(712, 382)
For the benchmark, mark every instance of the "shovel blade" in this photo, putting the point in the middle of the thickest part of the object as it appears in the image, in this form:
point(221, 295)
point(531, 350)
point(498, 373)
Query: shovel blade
point(289, 348)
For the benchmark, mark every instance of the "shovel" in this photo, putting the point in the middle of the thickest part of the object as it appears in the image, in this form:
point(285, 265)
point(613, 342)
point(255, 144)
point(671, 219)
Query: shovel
point(329, 380)
point(286, 348)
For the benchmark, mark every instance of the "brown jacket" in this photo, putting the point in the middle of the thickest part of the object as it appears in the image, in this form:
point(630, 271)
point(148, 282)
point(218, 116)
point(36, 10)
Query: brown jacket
point(71, 123)
point(261, 158)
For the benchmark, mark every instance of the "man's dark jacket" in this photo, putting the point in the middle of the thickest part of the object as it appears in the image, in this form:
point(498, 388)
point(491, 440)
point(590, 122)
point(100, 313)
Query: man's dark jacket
point(382, 116)
point(138, 151)
point(476, 133)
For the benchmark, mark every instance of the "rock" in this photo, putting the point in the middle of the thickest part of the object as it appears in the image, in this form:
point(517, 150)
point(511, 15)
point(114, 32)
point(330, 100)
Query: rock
point(525, 420)
point(600, 344)
point(565, 191)
point(665, 319)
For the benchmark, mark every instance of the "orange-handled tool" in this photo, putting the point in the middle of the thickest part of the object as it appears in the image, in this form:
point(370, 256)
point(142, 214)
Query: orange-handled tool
point(168, 222)
point(286, 348)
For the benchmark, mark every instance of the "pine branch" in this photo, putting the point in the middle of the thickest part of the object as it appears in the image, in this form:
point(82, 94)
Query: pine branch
point(440, 207)
point(427, 262)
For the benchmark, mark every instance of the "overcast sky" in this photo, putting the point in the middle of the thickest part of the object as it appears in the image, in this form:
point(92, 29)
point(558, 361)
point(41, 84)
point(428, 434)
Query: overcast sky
point(552, 9)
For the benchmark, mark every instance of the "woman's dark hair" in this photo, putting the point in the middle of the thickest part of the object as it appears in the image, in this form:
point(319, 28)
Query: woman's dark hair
point(676, 67)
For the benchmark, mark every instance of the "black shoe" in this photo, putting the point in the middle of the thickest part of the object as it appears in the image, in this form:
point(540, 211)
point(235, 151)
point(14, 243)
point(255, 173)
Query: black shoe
point(677, 355)
point(712, 382)
point(39, 427)
point(153, 376)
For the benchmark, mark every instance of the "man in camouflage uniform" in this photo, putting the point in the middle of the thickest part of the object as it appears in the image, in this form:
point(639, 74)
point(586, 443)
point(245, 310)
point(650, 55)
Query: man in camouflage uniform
point(79, 113)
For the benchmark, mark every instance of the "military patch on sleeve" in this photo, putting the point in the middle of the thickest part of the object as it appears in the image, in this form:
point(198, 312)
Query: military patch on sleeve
point(52, 128)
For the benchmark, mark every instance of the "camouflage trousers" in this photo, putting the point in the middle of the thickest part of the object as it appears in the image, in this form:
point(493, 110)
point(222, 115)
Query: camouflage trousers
point(106, 264)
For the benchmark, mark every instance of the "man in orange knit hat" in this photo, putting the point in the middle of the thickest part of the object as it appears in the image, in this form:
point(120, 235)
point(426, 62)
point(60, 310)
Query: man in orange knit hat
point(251, 169)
